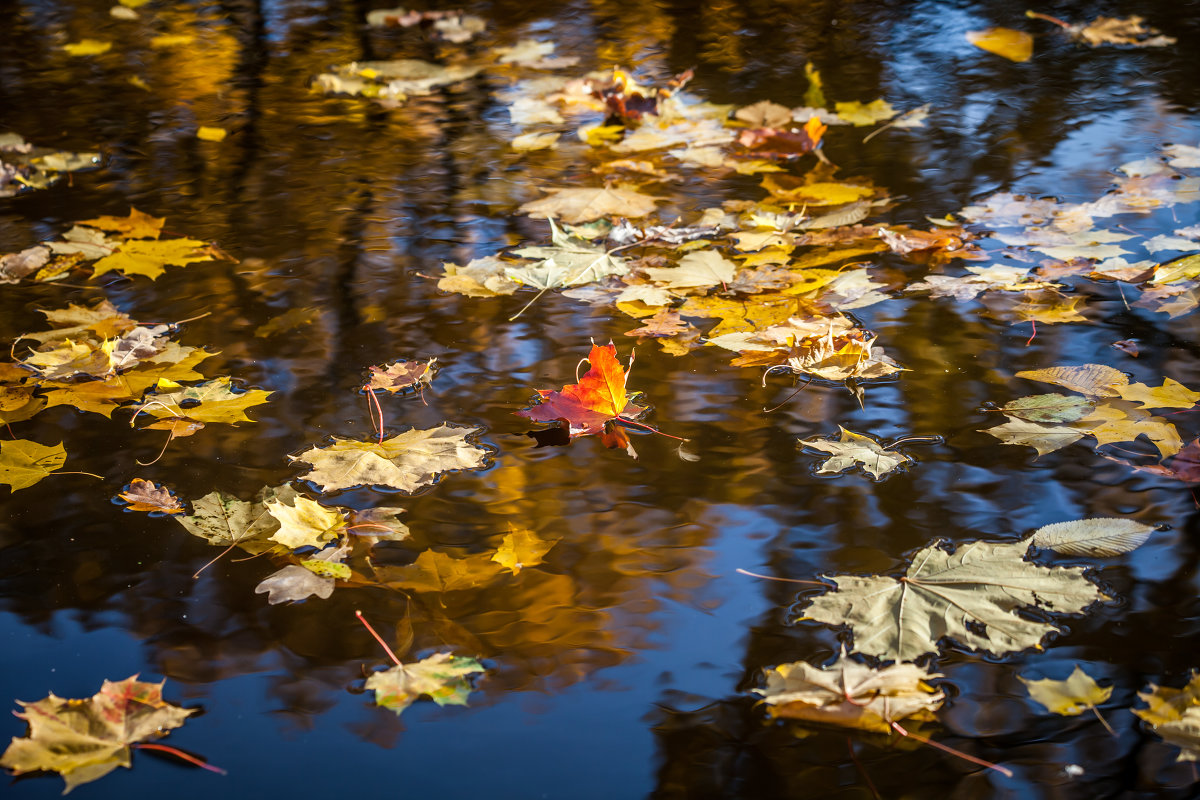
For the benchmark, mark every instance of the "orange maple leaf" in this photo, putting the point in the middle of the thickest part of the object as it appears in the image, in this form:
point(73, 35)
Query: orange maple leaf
point(599, 396)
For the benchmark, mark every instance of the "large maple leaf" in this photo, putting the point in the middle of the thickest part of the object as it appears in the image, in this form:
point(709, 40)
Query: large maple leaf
point(83, 740)
point(598, 397)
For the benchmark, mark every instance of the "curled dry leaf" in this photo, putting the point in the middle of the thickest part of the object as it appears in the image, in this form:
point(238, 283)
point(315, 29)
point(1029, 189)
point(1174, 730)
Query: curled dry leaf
point(84, 740)
point(144, 495)
point(851, 695)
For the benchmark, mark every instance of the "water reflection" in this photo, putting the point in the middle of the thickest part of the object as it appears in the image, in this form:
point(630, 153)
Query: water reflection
point(348, 207)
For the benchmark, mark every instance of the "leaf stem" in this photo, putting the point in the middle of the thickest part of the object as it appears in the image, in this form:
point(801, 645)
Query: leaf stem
point(180, 754)
point(527, 305)
point(1103, 721)
point(781, 580)
point(648, 428)
point(947, 749)
point(378, 638)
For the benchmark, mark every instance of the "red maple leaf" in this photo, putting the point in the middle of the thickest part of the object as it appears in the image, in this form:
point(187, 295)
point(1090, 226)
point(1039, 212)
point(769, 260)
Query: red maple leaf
point(598, 397)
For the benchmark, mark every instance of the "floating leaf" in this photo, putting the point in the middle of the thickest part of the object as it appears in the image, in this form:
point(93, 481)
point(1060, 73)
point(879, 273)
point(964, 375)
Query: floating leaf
point(294, 583)
point(1102, 536)
point(1092, 380)
point(145, 257)
point(304, 523)
point(598, 398)
point(1006, 42)
point(584, 205)
point(443, 677)
point(401, 376)
point(1172, 394)
point(23, 462)
point(971, 596)
point(224, 520)
point(1049, 408)
point(1070, 697)
point(853, 449)
point(144, 495)
point(84, 740)
point(851, 695)
point(1174, 714)
point(406, 462)
point(135, 226)
point(1043, 438)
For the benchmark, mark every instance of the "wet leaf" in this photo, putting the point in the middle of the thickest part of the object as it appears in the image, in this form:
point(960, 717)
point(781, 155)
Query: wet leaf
point(1092, 380)
point(1174, 714)
point(84, 740)
point(289, 320)
point(212, 401)
point(442, 677)
point(401, 376)
point(406, 461)
point(144, 257)
point(1049, 408)
point(599, 396)
point(23, 462)
point(1070, 697)
point(135, 226)
point(1043, 438)
point(1006, 42)
point(1172, 394)
point(583, 205)
point(851, 695)
point(144, 495)
point(304, 523)
point(853, 449)
point(294, 583)
point(87, 47)
point(224, 520)
point(699, 268)
point(971, 596)
point(1101, 537)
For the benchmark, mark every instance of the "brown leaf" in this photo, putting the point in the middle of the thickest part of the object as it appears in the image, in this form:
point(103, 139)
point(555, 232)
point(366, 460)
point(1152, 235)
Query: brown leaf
point(144, 495)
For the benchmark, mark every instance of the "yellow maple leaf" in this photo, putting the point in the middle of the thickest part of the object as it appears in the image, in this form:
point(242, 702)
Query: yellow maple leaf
point(1110, 423)
point(307, 523)
point(1005, 42)
point(141, 257)
point(135, 226)
point(1172, 394)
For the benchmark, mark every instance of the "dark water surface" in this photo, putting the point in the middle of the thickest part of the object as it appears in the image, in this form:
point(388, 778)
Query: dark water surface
point(621, 666)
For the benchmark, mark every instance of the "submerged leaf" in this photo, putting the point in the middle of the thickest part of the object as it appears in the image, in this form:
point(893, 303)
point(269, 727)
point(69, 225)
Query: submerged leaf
point(1175, 715)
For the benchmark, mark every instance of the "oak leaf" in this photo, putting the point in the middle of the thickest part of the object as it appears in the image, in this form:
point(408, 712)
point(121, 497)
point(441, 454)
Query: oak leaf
point(599, 397)
point(144, 495)
point(84, 740)
point(971, 596)
point(851, 695)
point(406, 461)
point(442, 677)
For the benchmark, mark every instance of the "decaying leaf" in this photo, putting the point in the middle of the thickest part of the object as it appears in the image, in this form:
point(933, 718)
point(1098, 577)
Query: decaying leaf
point(84, 740)
point(1070, 697)
point(1049, 408)
point(1043, 438)
point(851, 695)
point(442, 677)
point(1102, 536)
point(401, 376)
point(294, 583)
point(23, 462)
point(224, 520)
point(1174, 714)
point(971, 596)
point(852, 449)
point(406, 461)
point(144, 495)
